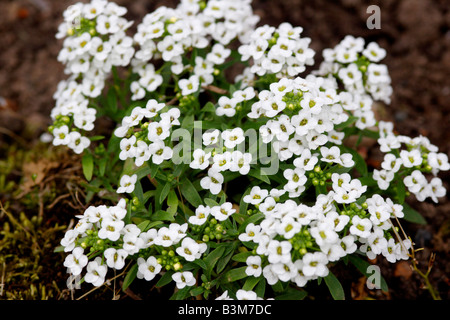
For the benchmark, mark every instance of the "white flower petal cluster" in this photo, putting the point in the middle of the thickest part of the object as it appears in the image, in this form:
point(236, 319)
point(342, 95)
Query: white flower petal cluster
point(302, 114)
point(125, 240)
point(417, 155)
point(289, 230)
point(146, 132)
point(358, 67)
point(279, 51)
point(94, 43)
point(170, 34)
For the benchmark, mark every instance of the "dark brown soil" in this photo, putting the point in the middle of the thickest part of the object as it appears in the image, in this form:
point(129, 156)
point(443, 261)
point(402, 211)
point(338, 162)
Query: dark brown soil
point(415, 33)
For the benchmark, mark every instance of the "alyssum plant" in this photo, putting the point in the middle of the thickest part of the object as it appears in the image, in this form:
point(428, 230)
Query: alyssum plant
point(246, 189)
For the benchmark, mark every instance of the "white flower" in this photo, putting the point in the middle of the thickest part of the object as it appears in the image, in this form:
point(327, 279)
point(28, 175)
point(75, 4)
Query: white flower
point(201, 159)
point(158, 130)
point(391, 162)
point(115, 258)
point(222, 161)
point(77, 142)
point(438, 161)
point(256, 196)
point(224, 296)
point(127, 183)
point(307, 161)
point(190, 249)
point(252, 233)
point(210, 137)
point(190, 85)
point(246, 295)
point(415, 182)
point(148, 269)
point(240, 162)
point(361, 227)
point(411, 158)
point(152, 108)
point(160, 152)
point(223, 211)
point(279, 251)
point(128, 148)
point(233, 137)
point(254, 266)
point(213, 181)
point(383, 178)
point(110, 229)
point(166, 237)
point(288, 227)
point(96, 272)
point(315, 264)
point(436, 188)
point(324, 233)
point(227, 106)
point(148, 237)
point(183, 279)
point(132, 243)
point(374, 52)
point(61, 135)
point(201, 215)
point(285, 271)
point(76, 261)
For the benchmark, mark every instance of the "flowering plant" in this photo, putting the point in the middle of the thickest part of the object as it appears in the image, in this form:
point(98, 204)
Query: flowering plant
point(232, 189)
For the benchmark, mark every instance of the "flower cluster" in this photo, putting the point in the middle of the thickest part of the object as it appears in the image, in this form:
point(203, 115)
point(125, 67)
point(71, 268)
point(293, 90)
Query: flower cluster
point(296, 242)
point(356, 65)
point(94, 43)
point(203, 213)
point(171, 35)
point(279, 51)
point(408, 158)
point(143, 140)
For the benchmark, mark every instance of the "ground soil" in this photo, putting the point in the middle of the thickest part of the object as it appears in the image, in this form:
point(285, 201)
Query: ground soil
point(415, 33)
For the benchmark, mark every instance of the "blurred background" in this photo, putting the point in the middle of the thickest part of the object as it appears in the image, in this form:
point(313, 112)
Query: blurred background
point(415, 33)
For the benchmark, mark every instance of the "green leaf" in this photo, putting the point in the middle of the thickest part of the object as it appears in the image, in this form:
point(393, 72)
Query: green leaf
point(129, 278)
point(362, 266)
point(349, 122)
point(210, 202)
point(250, 283)
point(335, 287)
point(412, 215)
point(87, 163)
point(190, 193)
point(102, 165)
point(161, 215)
point(292, 294)
point(209, 107)
point(164, 192)
point(235, 274)
point(255, 173)
point(147, 224)
point(242, 256)
point(200, 263)
point(212, 259)
point(165, 279)
point(251, 219)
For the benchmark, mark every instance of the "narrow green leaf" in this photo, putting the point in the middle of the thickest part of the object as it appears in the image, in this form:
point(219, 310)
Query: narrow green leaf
point(335, 287)
point(250, 283)
point(292, 294)
point(129, 278)
point(242, 256)
point(165, 279)
point(87, 163)
point(212, 258)
point(164, 192)
point(161, 215)
point(235, 274)
point(363, 267)
point(190, 193)
point(412, 215)
point(255, 173)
